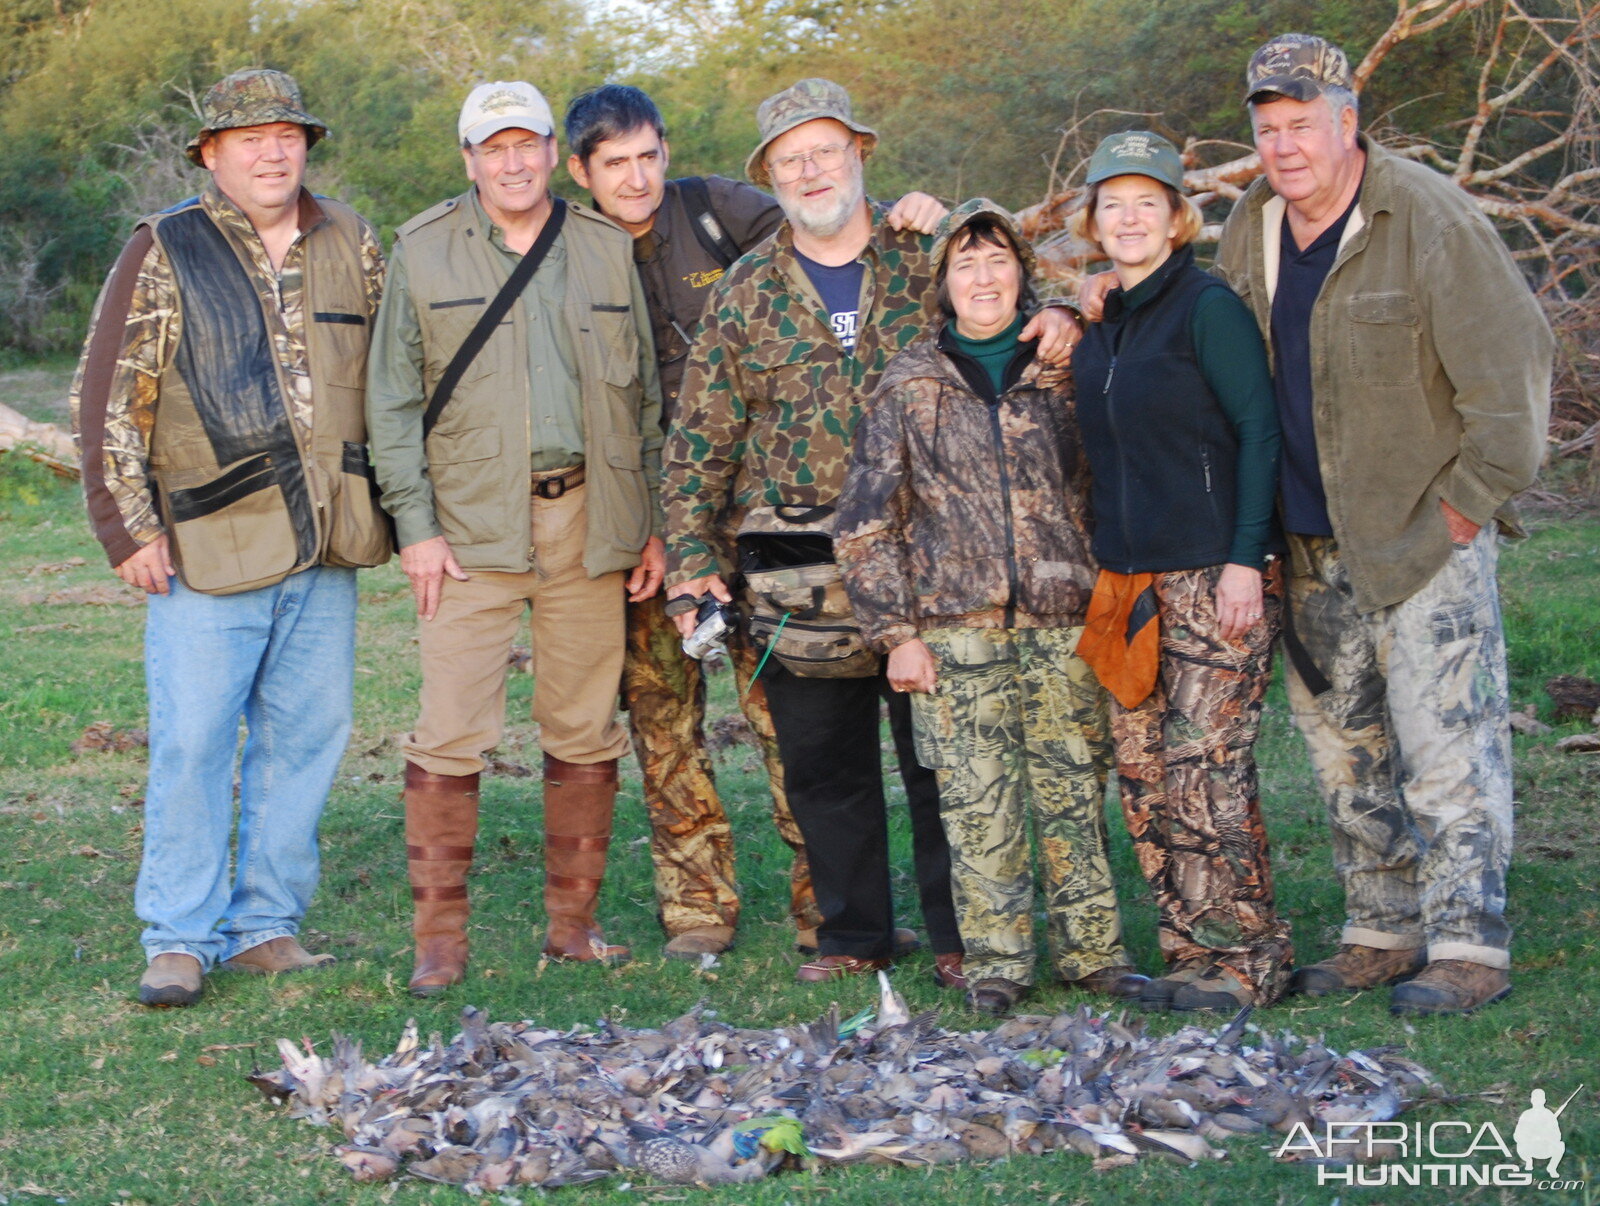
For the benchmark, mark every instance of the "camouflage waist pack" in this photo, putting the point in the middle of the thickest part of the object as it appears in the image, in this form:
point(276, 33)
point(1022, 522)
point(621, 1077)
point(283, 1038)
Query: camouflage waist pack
point(795, 597)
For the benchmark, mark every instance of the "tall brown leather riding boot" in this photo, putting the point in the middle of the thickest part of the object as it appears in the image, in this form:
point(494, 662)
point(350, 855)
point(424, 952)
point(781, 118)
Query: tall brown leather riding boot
point(441, 829)
point(578, 803)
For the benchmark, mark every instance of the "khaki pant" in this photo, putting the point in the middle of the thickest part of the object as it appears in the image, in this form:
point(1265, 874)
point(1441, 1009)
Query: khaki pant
point(1411, 747)
point(691, 841)
point(577, 638)
point(1017, 712)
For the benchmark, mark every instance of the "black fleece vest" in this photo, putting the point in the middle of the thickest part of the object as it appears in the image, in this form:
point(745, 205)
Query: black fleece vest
point(1160, 447)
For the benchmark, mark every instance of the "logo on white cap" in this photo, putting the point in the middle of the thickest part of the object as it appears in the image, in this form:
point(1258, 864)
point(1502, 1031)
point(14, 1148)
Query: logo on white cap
point(503, 105)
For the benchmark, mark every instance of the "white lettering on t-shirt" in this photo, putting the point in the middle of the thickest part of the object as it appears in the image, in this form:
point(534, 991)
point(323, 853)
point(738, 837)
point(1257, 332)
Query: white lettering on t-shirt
point(844, 326)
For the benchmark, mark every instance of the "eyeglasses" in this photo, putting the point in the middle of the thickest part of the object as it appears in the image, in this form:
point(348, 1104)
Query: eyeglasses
point(497, 154)
point(789, 168)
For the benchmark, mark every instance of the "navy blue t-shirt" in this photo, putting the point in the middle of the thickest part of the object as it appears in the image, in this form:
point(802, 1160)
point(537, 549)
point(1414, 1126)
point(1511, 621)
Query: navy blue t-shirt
point(840, 289)
point(1300, 277)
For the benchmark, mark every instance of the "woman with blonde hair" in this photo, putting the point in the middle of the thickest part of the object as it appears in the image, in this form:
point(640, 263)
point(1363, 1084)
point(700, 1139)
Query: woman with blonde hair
point(1174, 398)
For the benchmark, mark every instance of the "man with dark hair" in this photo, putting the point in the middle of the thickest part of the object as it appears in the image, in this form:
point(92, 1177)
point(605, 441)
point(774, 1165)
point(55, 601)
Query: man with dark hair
point(686, 233)
point(218, 410)
point(528, 489)
point(794, 341)
point(1412, 369)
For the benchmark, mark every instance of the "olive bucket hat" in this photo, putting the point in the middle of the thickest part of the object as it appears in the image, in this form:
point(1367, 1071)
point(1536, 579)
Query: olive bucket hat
point(256, 96)
point(796, 105)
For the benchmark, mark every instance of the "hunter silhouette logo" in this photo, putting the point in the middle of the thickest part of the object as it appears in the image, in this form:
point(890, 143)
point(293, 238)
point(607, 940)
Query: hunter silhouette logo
point(1538, 1133)
point(1385, 1151)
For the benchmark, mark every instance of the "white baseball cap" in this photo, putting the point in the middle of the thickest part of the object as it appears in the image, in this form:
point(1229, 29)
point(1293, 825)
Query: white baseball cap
point(504, 105)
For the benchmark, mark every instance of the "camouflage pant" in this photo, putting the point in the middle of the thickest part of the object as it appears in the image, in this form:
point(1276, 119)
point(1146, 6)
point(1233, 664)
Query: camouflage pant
point(1016, 709)
point(1412, 751)
point(691, 841)
point(1186, 761)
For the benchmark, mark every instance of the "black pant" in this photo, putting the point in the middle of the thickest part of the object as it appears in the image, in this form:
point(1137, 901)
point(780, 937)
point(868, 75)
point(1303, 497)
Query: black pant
point(828, 737)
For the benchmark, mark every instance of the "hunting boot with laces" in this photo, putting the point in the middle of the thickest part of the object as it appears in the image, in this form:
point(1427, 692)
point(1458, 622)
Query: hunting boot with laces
point(1355, 967)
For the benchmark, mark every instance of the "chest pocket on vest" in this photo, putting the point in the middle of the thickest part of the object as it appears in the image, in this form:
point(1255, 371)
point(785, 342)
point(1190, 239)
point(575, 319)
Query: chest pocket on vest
point(1385, 329)
point(447, 326)
point(610, 325)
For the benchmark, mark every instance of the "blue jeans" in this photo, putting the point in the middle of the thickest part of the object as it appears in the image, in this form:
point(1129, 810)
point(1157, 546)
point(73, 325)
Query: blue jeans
point(281, 659)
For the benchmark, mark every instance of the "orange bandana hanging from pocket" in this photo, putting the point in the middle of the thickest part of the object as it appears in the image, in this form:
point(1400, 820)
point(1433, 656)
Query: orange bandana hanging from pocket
point(1122, 637)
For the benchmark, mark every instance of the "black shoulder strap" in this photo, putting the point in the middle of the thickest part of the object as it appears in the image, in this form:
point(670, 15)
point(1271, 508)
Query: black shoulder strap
point(490, 318)
point(697, 201)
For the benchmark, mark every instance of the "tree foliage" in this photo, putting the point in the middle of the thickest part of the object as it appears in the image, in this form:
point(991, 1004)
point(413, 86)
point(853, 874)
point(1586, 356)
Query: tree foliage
point(98, 97)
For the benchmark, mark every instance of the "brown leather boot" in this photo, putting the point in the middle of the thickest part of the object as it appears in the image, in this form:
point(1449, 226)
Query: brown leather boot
point(441, 830)
point(578, 803)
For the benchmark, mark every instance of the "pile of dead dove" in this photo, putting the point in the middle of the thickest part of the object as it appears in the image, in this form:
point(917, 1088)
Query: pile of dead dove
point(700, 1101)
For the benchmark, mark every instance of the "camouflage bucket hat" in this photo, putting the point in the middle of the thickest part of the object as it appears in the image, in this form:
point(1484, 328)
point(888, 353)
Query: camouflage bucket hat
point(1136, 153)
point(256, 96)
point(962, 216)
point(794, 106)
point(1298, 66)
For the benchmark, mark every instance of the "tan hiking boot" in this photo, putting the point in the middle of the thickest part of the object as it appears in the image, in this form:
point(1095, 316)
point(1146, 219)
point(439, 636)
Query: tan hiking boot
point(171, 981)
point(699, 941)
point(275, 957)
point(1158, 993)
point(1450, 986)
point(1355, 967)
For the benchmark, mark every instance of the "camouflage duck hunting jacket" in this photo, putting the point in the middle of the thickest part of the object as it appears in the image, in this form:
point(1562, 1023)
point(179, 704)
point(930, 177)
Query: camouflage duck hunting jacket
point(771, 399)
point(965, 512)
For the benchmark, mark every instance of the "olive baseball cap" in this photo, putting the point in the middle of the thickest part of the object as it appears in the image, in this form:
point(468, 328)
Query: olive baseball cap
point(256, 96)
point(1136, 153)
point(963, 215)
point(1296, 65)
point(796, 105)
point(504, 105)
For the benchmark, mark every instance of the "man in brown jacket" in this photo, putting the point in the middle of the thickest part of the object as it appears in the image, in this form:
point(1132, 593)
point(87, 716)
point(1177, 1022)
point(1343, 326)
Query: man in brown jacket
point(218, 409)
point(532, 491)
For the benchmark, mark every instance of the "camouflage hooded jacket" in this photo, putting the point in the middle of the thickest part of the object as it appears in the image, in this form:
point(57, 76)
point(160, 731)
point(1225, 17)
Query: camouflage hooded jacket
point(959, 512)
point(771, 399)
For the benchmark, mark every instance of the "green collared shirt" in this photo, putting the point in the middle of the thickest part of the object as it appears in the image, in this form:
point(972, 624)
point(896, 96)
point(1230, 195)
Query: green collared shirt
point(555, 407)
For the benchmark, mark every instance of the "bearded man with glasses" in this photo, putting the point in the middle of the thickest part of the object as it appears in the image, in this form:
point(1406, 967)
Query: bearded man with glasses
point(793, 342)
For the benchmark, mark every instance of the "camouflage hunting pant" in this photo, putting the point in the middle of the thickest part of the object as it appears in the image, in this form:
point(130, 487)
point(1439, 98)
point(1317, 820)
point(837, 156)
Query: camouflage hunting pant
point(1411, 747)
point(1015, 709)
point(1186, 761)
point(691, 841)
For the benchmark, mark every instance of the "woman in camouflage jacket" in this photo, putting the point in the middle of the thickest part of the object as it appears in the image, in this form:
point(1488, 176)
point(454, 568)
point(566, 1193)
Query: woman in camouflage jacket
point(962, 542)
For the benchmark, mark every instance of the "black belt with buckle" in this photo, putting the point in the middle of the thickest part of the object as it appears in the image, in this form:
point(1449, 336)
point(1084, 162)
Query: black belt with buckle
point(552, 488)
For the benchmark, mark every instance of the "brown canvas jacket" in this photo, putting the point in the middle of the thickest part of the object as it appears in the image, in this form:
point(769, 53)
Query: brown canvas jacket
point(1430, 367)
point(959, 513)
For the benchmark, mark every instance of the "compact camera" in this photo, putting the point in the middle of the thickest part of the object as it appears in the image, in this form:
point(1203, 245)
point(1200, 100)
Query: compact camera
point(713, 621)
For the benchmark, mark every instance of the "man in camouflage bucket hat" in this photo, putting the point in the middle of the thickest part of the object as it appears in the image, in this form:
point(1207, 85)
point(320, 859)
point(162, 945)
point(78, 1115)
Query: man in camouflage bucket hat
point(794, 339)
point(1400, 456)
point(257, 96)
point(219, 414)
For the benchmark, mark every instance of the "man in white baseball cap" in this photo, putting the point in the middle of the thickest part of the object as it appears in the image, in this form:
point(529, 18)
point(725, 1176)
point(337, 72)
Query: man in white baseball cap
point(517, 442)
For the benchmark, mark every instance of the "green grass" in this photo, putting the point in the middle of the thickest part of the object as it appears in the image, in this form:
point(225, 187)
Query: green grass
point(104, 1102)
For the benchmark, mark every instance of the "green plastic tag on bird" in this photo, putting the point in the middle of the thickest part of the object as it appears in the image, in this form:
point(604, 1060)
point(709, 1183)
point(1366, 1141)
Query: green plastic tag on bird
point(1043, 1057)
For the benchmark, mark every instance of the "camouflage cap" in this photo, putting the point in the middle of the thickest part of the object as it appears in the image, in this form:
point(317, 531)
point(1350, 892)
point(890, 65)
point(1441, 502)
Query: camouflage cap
point(963, 215)
point(794, 106)
point(1136, 153)
point(256, 96)
point(1298, 66)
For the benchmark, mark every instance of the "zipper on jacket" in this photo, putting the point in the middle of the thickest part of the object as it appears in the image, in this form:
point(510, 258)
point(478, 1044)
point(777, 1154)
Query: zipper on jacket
point(1122, 461)
point(1005, 510)
point(1205, 465)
